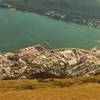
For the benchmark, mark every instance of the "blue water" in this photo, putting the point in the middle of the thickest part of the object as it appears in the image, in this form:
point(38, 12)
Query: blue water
point(21, 29)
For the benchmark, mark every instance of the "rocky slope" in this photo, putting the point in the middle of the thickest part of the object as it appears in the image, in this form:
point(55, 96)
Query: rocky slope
point(38, 62)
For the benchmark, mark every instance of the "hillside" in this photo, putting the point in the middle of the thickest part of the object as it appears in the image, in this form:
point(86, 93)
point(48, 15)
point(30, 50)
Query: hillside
point(87, 88)
point(75, 7)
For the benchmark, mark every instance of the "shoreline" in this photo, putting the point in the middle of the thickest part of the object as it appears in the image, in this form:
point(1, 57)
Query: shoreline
point(55, 15)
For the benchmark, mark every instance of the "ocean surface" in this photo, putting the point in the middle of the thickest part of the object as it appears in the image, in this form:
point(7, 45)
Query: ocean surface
point(22, 29)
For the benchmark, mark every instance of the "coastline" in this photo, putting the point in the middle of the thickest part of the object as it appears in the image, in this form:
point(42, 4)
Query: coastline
point(55, 15)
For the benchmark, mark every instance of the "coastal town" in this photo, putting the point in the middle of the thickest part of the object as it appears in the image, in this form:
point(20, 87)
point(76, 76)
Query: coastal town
point(38, 62)
point(90, 22)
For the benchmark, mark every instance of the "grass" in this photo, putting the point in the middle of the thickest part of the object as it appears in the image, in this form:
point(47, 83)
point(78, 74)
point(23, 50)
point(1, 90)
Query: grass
point(16, 85)
point(79, 88)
